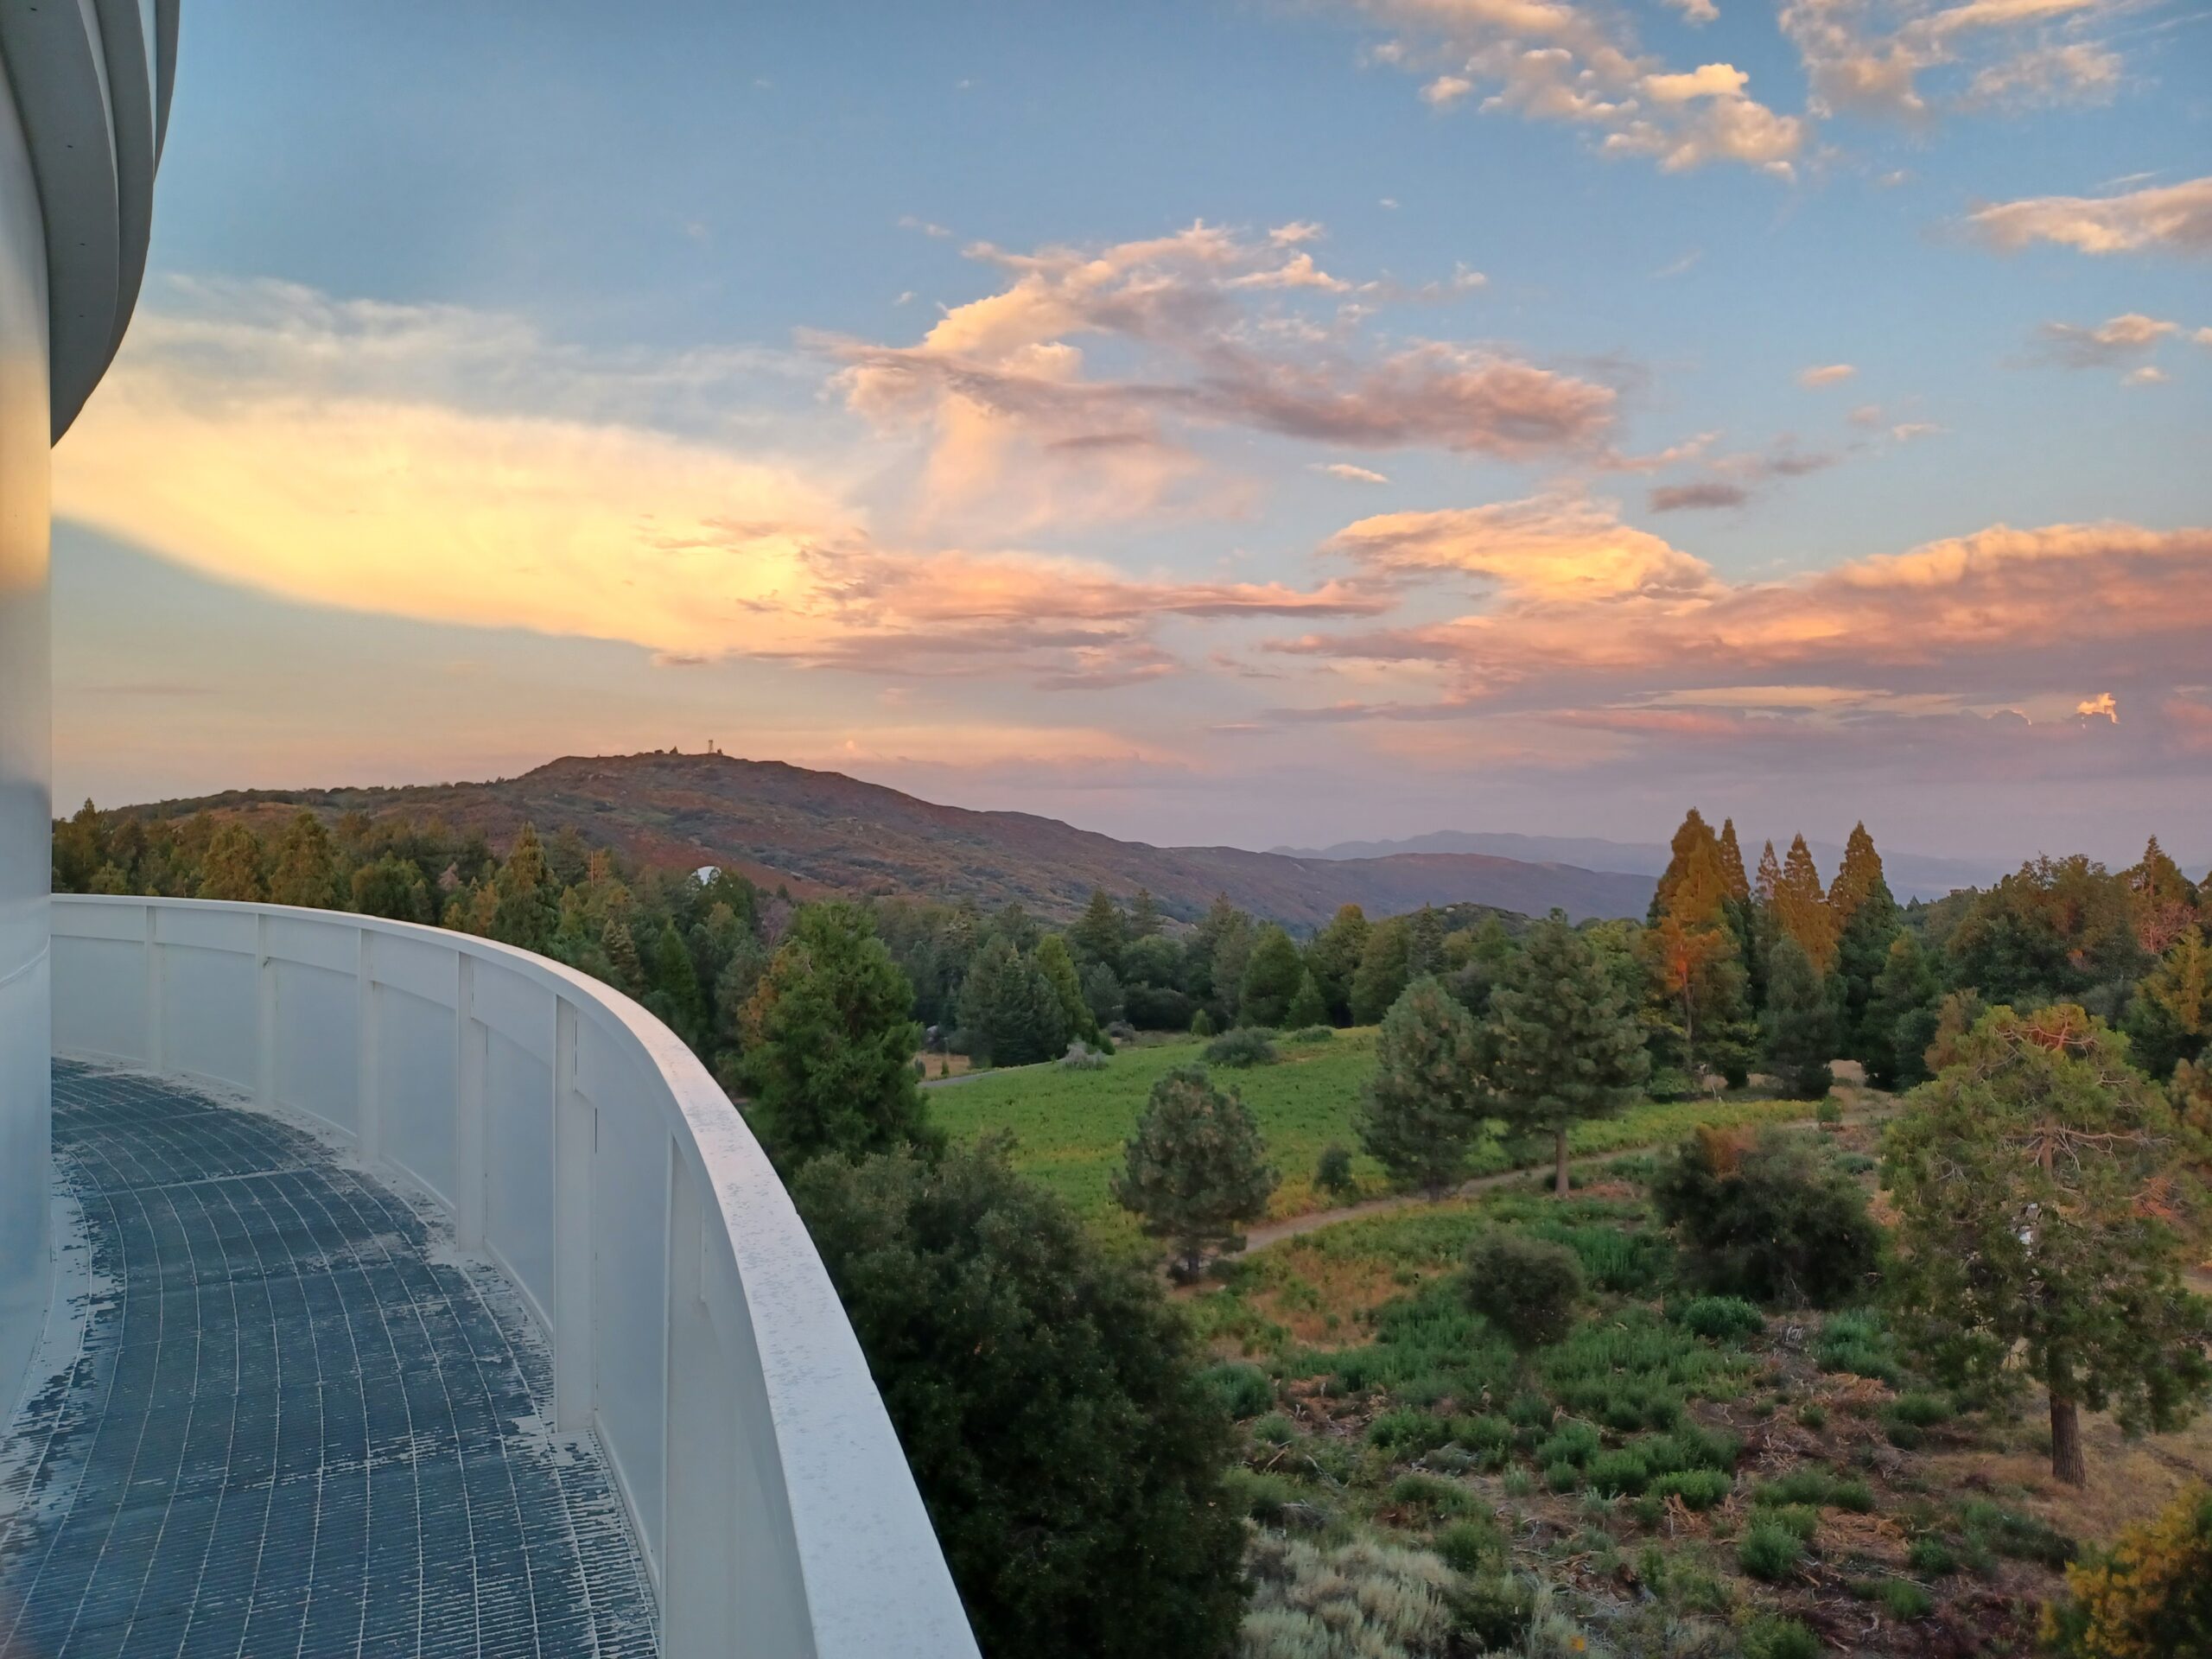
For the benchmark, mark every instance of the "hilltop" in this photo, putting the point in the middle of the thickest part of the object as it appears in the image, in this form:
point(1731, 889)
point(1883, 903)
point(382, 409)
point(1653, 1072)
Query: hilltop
point(821, 832)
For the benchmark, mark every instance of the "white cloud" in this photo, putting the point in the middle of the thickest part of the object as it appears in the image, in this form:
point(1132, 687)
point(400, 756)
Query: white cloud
point(1826, 374)
point(2168, 219)
point(1346, 471)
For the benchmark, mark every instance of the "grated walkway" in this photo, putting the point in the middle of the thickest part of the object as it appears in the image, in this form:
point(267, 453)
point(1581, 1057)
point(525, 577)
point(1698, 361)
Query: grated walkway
point(291, 1422)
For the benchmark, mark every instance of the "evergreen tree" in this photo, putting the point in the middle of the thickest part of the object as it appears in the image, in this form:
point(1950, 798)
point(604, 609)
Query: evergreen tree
point(1698, 1016)
point(1307, 1008)
point(620, 947)
point(675, 997)
point(1901, 1017)
point(391, 887)
point(1732, 864)
point(1562, 1045)
point(1424, 942)
point(1420, 1117)
point(1799, 1027)
point(1770, 877)
point(1099, 932)
point(1195, 1170)
point(1801, 907)
point(2033, 1181)
point(2170, 1017)
point(1010, 1011)
point(2056, 929)
point(528, 908)
point(1693, 888)
point(1334, 956)
point(1271, 978)
point(1057, 968)
point(1383, 970)
point(1144, 915)
point(306, 869)
point(2161, 901)
point(1868, 919)
point(1102, 995)
point(831, 1043)
point(231, 869)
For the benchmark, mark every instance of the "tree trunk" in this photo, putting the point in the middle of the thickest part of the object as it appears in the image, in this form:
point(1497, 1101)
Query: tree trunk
point(1558, 1153)
point(2066, 1442)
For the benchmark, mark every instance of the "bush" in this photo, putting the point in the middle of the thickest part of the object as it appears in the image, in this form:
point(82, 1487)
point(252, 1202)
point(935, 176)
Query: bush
point(1065, 1403)
point(1902, 1599)
point(1699, 1489)
point(1247, 1046)
point(1620, 1473)
point(1780, 1638)
point(1364, 1597)
point(1575, 1444)
point(2152, 1594)
point(1829, 1113)
point(1858, 1343)
point(1332, 1172)
point(1408, 1433)
point(1465, 1546)
point(1721, 1317)
point(1930, 1555)
point(1202, 1024)
point(1773, 1221)
point(1428, 1495)
point(1080, 1059)
point(1241, 1390)
point(1921, 1409)
point(1989, 1527)
point(1690, 1447)
point(1770, 1552)
point(1313, 1034)
point(1259, 1495)
point(1526, 1286)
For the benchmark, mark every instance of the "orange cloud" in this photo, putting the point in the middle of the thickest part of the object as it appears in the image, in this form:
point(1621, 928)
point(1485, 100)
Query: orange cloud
point(2169, 219)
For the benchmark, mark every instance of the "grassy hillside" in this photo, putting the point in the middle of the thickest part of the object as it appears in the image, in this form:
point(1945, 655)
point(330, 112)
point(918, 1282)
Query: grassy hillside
point(821, 832)
point(1070, 1127)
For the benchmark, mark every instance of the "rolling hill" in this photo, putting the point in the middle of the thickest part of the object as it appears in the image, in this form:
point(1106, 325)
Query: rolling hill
point(821, 832)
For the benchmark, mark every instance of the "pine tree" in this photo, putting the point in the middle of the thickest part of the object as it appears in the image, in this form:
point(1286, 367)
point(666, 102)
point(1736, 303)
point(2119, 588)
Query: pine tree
point(1195, 1169)
point(1901, 1017)
point(1562, 1045)
point(675, 995)
point(1801, 907)
point(1307, 1008)
point(620, 947)
point(1770, 877)
point(1424, 942)
point(1271, 978)
point(2033, 1180)
point(1100, 932)
point(1698, 1012)
point(1867, 919)
point(1798, 1029)
point(1857, 877)
point(2170, 1020)
point(831, 1043)
point(1010, 1011)
point(1057, 968)
point(1144, 915)
point(306, 869)
point(1732, 863)
point(1334, 958)
point(528, 909)
point(1694, 885)
point(2161, 901)
point(1383, 970)
point(231, 869)
point(1421, 1116)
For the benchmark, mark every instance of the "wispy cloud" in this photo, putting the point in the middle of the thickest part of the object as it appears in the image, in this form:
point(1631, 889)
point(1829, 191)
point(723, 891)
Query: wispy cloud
point(1826, 374)
point(1705, 496)
point(1346, 471)
point(2162, 218)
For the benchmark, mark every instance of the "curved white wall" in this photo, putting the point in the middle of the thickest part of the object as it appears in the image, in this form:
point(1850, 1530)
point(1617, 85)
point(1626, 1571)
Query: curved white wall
point(575, 1139)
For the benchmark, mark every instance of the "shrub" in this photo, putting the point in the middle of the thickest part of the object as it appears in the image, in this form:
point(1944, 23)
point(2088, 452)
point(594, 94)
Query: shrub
point(1489, 1436)
point(1921, 1409)
point(1364, 1597)
point(1990, 1527)
point(1690, 1447)
point(1612, 1259)
point(2152, 1594)
point(1247, 1046)
point(1261, 1496)
point(1241, 1390)
point(1780, 1638)
point(1829, 1113)
point(1902, 1599)
point(1772, 1221)
point(1409, 1433)
point(1800, 1521)
point(1699, 1489)
point(1816, 1487)
point(1813, 1414)
point(1428, 1494)
point(1313, 1034)
point(1858, 1343)
point(1202, 1024)
point(1275, 1429)
point(1525, 1286)
point(1466, 1545)
point(1619, 1474)
point(1332, 1172)
point(1721, 1317)
point(1930, 1555)
point(1575, 1444)
point(1080, 1059)
point(1770, 1552)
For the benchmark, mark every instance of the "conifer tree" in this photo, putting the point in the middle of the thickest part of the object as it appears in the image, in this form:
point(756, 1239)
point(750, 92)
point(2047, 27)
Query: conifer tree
point(2170, 1020)
point(1732, 864)
point(1866, 919)
point(1901, 1017)
point(527, 909)
point(306, 869)
point(1693, 887)
point(1698, 1013)
point(1801, 907)
point(1562, 1045)
point(2034, 1180)
point(1799, 1026)
point(1008, 1011)
point(1334, 956)
point(231, 869)
point(2161, 901)
point(1770, 877)
point(620, 947)
point(1196, 1170)
point(1144, 915)
point(675, 995)
point(1307, 1008)
point(1057, 968)
point(831, 1041)
point(1271, 977)
point(391, 887)
point(1421, 1116)
point(1424, 942)
point(1383, 970)
point(1099, 932)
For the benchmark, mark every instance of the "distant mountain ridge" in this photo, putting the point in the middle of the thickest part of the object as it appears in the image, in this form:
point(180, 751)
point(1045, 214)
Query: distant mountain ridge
point(1912, 875)
point(824, 832)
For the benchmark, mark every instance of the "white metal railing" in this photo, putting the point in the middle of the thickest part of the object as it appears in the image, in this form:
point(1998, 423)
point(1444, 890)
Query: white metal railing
point(575, 1139)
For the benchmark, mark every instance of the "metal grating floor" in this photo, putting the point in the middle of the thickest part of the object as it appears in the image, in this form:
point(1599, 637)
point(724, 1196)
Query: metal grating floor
point(291, 1421)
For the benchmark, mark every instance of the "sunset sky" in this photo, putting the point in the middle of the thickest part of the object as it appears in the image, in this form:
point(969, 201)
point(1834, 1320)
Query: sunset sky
point(1251, 422)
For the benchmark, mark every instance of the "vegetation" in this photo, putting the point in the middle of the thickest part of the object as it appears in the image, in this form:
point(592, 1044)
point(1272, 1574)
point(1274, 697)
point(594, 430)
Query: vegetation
point(1194, 1172)
point(1420, 1117)
point(1526, 1286)
point(2149, 1596)
point(1773, 1219)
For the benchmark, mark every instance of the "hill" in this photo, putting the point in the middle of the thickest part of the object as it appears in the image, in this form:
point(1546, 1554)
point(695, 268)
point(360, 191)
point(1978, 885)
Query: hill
point(822, 831)
point(1912, 875)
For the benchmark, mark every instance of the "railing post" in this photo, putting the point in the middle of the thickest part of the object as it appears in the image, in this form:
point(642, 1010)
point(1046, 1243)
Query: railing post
point(156, 1038)
point(264, 1017)
point(576, 1133)
point(468, 1107)
point(368, 1096)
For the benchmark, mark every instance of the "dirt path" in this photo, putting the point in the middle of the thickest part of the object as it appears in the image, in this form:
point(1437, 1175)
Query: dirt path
point(1273, 1232)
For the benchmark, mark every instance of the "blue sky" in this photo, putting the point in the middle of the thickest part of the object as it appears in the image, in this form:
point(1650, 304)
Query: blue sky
point(849, 384)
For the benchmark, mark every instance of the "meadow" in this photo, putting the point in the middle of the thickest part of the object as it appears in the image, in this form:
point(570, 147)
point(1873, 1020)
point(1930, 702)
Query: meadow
point(1069, 1126)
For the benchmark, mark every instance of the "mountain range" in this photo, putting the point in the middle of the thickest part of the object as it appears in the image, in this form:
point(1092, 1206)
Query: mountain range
point(820, 832)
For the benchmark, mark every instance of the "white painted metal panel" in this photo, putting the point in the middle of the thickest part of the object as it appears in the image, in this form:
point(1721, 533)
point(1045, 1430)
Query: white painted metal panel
point(518, 1174)
point(99, 997)
point(630, 1300)
point(210, 1006)
point(415, 1075)
point(313, 1038)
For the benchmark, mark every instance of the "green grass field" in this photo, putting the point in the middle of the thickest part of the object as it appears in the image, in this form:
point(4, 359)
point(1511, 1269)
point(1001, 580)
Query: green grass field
point(1070, 1127)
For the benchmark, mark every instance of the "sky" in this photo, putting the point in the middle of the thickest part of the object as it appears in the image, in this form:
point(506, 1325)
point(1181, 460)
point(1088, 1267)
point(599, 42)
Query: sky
point(1260, 422)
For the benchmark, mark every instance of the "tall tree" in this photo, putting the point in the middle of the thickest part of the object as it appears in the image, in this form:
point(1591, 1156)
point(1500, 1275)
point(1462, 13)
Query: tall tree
point(675, 996)
point(1196, 1170)
point(2170, 1019)
point(1421, 1115)
point(1334, 958)
point(306, 870)
point(1694, 885)
point(1801, 907)
point(1057, 968)
point(1798, 1030)
point(1384, 969)
point(1867, 919)
point(391, 887)
point(2056, 929)
point(2161, 901)
point(1100, 932)
point(1901, 1017)
point(1698, 1013)
point(1009, 1012)
point(1562, 1045)
point(529, 908)
point(1732, 863)
point(1144, 915)
point(2035, 1181)
point(831, 1041)
point(1307, 1008)
point(1271, 977)
point(231, 868)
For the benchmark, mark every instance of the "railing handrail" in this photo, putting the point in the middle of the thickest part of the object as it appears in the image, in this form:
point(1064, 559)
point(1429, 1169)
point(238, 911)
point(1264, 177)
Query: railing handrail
point(873, 1580)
